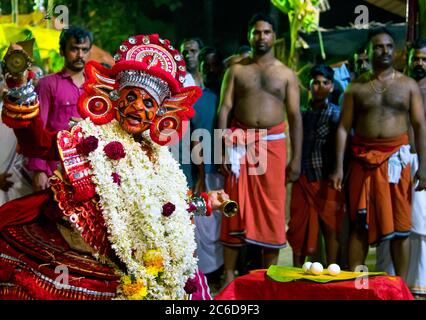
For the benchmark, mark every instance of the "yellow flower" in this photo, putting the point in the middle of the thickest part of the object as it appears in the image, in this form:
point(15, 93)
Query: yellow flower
point(134, 291)
point(126, 279)
point(153, 259)
point(152, 270)
point(140, 295)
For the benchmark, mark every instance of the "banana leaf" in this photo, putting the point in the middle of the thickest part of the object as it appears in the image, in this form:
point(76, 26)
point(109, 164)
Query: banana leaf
point(287, 274)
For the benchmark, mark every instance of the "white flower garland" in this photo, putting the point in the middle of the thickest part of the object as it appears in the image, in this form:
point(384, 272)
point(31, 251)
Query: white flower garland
point(133, 210)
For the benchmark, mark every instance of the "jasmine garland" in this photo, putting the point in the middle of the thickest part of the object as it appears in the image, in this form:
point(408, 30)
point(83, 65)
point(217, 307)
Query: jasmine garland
point(132, 210)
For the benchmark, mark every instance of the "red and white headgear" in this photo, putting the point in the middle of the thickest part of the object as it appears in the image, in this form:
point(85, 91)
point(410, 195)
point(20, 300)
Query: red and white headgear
point(150, 63)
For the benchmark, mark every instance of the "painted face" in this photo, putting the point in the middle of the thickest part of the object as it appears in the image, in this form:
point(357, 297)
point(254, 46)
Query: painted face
point(136, 110)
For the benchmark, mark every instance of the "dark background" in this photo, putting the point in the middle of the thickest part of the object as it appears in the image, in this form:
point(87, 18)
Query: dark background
point(221, 23)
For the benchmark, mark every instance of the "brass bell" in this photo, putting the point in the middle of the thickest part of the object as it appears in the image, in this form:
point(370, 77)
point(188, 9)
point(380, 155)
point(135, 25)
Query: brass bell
point(229, 208)
point(18, 59)
point(16, 62)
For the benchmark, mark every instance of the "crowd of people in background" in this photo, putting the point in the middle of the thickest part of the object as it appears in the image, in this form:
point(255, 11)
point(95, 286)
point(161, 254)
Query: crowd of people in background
point(357, 160)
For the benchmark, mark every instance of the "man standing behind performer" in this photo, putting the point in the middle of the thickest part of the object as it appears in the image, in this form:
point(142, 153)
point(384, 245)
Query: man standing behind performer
point(380, 105)
point(361, 62)
point(315, 205)
point(58, 94)
point(190, 49)
point(416, 279)
point(256, 93)
point(418, 64)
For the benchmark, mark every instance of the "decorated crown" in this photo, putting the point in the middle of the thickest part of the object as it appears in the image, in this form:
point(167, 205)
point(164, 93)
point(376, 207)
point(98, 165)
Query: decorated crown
point(156, 87)
point(153, 64)
point(155, 59)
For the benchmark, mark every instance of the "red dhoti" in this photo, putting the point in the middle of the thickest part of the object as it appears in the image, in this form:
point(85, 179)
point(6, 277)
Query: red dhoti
point(259, 190)
point(385, 206)
point(311, 201)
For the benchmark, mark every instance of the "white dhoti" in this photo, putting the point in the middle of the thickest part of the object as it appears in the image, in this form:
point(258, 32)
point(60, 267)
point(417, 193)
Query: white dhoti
point(416, 279)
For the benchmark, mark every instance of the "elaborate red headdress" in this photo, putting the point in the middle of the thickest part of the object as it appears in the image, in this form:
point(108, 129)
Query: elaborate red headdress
point(150, 63)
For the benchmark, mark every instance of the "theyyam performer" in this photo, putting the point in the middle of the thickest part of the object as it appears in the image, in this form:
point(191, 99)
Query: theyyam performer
point(116, 222)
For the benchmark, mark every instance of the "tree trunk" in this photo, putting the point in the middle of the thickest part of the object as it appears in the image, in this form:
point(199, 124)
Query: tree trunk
point(50, 8)
point(422, 18)
point(15, 11)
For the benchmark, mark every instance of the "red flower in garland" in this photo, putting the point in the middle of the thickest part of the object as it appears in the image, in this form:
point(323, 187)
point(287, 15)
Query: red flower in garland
point(114, 150)
point(190, 286)
point(116, 178)
point(88, 145)
point(191, 208)
point(168, 209)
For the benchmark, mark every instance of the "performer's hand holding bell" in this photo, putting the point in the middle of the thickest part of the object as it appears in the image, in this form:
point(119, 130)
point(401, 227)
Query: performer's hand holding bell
point(20, 102)
point(204, 204)
point(220, 200)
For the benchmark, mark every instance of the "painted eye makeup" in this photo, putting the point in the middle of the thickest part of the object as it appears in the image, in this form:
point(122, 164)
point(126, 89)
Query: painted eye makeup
point(148, 103)
point(131, 96)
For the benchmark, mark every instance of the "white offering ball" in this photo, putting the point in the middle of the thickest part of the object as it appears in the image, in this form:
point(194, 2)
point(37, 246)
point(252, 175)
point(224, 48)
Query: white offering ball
point(306, 266)
point(316, 268)
point(333, 269)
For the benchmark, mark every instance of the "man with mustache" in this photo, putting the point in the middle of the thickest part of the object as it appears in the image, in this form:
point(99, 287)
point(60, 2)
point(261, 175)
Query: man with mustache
point(257, 92)
point(58, 94)
point(380, 106)
point(418, 64)
point(416, 279)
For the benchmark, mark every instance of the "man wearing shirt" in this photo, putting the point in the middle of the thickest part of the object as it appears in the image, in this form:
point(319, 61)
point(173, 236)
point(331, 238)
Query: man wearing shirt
point(58, 94)
point(206, 177)
point(314, 204)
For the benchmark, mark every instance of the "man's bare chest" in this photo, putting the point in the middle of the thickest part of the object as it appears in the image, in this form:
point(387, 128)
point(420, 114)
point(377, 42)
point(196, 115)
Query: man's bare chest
point(422, 85)
point(384, 98)
point(261, 80)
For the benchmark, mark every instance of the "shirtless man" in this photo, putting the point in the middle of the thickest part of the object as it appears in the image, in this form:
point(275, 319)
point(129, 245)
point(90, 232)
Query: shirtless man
point(418, 61)
point(416, 280)
point(256, 93)
point(380, 105)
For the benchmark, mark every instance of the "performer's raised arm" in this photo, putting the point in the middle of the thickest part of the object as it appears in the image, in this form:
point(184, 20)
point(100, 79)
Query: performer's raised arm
point(21, 107)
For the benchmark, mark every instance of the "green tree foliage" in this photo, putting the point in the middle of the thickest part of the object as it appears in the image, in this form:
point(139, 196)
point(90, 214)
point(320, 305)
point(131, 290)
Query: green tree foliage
point(113, 21)
point(422, 18)
point(302, 15)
